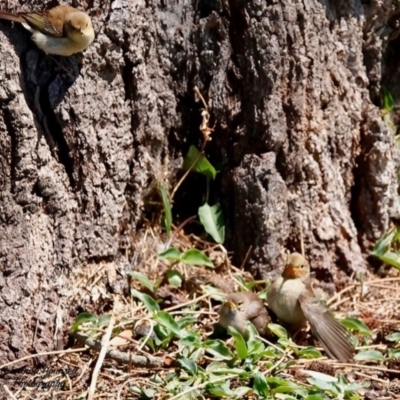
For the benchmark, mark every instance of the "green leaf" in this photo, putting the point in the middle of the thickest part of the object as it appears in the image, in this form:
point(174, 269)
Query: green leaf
point(217, 367)
point(357, 325)
point(167, 208)
point(387, 99)
point(369, 355)
point(148, 301)
point(188, 365)
point(240, 344)
point(391, 258)
point(188, 320)
point(218, 349)
point(212, 219)
point(274, 382)
point(254, 345)
point(170, 254)
point(278, 330)
point(323, 385)
point(190, 340)
point(82, 319)
point(199, 162)
point(290, 388)
point(175, 278)
point(166, 320)
point(393, 353)
point(309, 352)
point(260, 385)
point(143, 280)
point(383, 244)
point(393, 337)
point(196, 257)
point(221, 391)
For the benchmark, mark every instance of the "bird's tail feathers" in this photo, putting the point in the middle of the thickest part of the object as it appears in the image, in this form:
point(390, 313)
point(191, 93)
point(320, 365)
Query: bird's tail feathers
point(11, 17)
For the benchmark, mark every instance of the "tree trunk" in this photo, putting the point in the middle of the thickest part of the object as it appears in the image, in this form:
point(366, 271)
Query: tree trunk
point(294, 93)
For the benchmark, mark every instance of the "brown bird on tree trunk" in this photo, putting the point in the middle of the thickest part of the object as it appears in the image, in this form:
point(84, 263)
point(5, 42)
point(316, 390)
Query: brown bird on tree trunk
point(241, 308)
point(292, 299)
point(62, 30)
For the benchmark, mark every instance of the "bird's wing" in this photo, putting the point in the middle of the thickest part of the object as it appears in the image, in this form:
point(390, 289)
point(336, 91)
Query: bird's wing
point(254, 308)
point(326, 328)
point(48, 22)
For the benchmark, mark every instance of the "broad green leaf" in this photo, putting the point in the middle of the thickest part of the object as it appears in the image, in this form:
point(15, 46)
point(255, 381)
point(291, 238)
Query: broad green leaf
point(369, 355)
point(290, 389)
point(144, 393)
point(143, 280)
point(393, 353)
point(212, 219)
point(188, 365)
point(167, 208)
point(391, 258)
point(196, 257)
point(191, 340)
point(383, 244)
point(197, 355)
point(175, 278)
point(199, 163)
point(240, 344)
point(278, 330)
point(148, 301)
point(82, 319)
point(309, 352)
point(170, 254)
point(221, 390)
point(166, 320)
point(254, 345)
point(260, 385)
point(317, 397)
point(393, 337)
point(217, 367)
point(323, 385)
point(357, 325)
point(274, 382)
point(188, 320)
point(218, 349)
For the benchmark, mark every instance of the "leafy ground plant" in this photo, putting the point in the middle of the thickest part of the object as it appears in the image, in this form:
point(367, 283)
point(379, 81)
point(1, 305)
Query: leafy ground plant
point(200, 361)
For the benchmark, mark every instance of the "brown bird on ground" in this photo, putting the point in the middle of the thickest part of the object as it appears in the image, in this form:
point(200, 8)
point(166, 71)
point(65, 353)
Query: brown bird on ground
point(292, 299)
point(62, 30)
point(241, 308)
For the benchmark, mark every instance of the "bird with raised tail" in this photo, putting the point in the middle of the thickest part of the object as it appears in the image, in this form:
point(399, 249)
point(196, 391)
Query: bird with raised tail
point(292, 299)
point(241, 308)
point(62, 30)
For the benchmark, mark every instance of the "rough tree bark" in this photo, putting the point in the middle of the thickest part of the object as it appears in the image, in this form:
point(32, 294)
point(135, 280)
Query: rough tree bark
point(293, 86)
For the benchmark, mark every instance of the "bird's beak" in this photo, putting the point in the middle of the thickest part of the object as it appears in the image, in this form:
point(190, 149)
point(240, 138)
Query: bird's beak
point(290, 271)
point(231, 305)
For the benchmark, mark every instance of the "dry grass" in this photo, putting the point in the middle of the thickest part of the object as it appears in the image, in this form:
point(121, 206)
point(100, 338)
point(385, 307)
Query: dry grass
point(374, 301)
